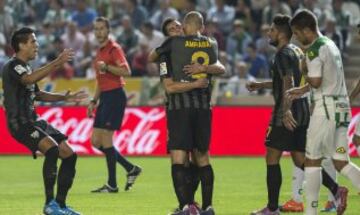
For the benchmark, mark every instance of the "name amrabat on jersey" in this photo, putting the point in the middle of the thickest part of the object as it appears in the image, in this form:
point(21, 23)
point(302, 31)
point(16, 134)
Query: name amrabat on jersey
point(197, 44)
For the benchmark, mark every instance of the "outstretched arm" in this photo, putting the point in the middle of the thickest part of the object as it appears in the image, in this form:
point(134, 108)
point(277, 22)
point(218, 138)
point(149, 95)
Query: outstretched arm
point(42, 72)
point(55, 97)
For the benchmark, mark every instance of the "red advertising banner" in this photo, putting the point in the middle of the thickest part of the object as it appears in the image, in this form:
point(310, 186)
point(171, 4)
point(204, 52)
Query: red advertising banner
point(237, 131)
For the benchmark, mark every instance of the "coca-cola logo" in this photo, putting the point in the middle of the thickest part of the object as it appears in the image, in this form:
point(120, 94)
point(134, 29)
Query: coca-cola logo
point(351, 133)
point(139, 134)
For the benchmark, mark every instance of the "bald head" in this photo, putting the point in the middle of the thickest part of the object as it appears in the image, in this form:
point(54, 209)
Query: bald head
point(193, 22)
point(194, 18)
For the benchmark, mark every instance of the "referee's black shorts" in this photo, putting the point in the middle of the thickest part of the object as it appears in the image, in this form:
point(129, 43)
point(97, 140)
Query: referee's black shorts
point(110, 112)
point(279, 137)
point(189, 129)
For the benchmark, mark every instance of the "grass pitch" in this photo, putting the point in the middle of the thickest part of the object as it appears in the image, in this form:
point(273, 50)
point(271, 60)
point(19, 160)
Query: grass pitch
point(239, 187)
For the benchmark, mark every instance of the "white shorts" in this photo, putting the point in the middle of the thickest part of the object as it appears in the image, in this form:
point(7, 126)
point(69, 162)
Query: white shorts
point(325, 140)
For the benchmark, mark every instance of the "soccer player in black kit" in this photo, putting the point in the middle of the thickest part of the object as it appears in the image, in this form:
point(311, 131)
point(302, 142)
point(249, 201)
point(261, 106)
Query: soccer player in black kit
point(188, 107)
point(20, 91)
point(290, 119)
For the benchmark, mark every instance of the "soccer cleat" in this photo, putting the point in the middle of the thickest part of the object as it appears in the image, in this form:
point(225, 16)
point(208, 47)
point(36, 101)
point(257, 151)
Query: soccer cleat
point(131, 177)
point(292, 206)
point(329, 207)
point(52, 208)
point(106, 189)
point(209, 211)
point(69, 211)
point(266, 211)
point(341, 200)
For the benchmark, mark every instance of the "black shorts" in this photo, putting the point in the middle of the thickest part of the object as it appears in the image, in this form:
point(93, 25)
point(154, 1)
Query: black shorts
point(110, 112)
point(189, 129)
point(31, 134)
point(281, 138)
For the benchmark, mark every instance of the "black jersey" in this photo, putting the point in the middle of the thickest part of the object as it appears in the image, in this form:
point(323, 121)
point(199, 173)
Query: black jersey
point(287, 63)
point(175, 53)
point(18, 98)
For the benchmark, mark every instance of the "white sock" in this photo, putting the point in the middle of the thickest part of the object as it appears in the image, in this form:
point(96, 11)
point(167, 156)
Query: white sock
point(358, 150)
point(328, 166)
point(297, 182)
point(312, 188)
point(352, 172)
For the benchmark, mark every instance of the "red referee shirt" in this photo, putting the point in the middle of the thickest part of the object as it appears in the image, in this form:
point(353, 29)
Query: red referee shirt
point(111, 54)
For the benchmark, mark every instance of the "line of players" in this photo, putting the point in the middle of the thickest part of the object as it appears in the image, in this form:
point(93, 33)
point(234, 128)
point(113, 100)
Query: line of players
point(186, 72)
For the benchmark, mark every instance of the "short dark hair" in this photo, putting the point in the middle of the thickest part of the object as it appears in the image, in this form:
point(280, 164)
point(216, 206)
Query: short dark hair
point(20, 36)
point(194, 17)
point(282, 23)
point(166, 22)
point(104, 20)
point(304, 19)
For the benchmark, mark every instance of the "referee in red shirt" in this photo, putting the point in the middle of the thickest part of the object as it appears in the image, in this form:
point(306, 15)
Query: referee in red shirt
point(110, 65)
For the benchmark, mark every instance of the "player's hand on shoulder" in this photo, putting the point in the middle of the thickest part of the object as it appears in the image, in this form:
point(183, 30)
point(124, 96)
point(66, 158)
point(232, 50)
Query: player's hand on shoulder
point(66, 55)
point(201, 83)
point(294, 93)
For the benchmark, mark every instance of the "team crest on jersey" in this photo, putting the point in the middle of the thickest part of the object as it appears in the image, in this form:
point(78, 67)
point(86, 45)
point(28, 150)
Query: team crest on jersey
point(341, 150)
point(20, 69)
point(163, 68)
point(314, 204)
point(35, 135)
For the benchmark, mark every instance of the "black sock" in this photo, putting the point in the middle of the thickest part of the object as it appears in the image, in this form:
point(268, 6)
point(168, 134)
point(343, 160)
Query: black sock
point(65, 178)
point(206, 175)
point(274, 180)
point(121, 160)
point(327, 181)
point(194, 180)
point(111, 165)
point(179, 176)
point(50, 172)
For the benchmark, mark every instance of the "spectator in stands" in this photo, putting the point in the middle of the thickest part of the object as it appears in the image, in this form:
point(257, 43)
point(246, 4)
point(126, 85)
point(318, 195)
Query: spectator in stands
point(262, 44)
point(137, 13)
point(45, 40)
point(237, 83)
point(334, 34)
point(7, 23)
point(151, 36)
point(3, 56)
point(258, 66)
point(212, 30)
point(274, 7)
point(294, 5)
point(342, 20)
point(238, 40)
point(311, 5)
point(243, 12)
point(139, 62)
point(66, 71)
point(225, 60)
point(223, 14)
point(83, 16)
point(128, 38)
point(57, 16)
point(164, 11)
point(73, 38)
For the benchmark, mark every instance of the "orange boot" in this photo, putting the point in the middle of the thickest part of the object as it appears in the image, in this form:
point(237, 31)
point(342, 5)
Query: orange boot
point(292, 206)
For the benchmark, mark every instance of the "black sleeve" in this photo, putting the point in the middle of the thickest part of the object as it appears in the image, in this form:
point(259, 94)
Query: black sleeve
point(286, 63)
point(18, 70)
point(165, 67)
point(165, 47)
point(214, 46)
